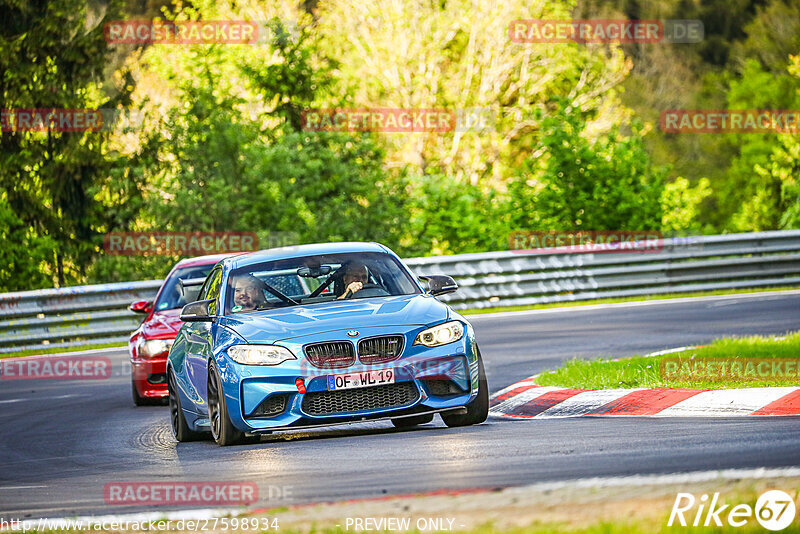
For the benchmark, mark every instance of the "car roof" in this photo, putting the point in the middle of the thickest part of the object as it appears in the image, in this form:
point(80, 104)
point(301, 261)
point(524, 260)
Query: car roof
point(300, 251)
point(210, 259)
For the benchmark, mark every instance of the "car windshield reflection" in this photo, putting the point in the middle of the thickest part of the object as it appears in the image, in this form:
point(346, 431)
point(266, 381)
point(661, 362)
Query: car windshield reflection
point(315, 279)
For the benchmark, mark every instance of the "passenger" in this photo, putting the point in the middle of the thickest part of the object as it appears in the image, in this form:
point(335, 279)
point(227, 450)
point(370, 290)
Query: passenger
point(355, 276)
point(248, 293)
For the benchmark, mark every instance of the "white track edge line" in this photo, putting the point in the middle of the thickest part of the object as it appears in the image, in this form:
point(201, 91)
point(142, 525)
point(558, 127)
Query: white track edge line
point(588, 307)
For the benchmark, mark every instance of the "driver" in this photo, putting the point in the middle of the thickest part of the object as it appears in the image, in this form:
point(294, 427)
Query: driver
point(248, 293)
point(355, 276)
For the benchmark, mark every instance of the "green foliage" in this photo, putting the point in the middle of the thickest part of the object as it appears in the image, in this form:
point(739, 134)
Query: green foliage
point(773, 34)
point(753, 196)
point(681, 204)
point(605, 184)
point(294, 83)
point(215, 163)
point(456, 55)
point(53, 55)
point(223, 147)
point(22, 253)
point(449, 216)
point(783, 168)
point(740, 63)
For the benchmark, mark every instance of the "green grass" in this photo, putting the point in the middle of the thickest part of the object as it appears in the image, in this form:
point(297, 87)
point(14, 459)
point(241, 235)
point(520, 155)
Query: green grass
point(475, 311)
point(646, 371)
point(55, 350)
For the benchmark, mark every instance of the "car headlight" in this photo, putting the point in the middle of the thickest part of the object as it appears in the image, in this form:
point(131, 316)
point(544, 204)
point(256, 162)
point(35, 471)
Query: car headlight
point(153, 347)
point(260, 354)
point(440, 334)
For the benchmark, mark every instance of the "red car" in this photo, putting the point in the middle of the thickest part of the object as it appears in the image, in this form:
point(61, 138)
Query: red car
point(150, 343)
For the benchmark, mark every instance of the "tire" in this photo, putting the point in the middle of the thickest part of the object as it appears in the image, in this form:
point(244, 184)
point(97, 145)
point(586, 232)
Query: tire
point(405, 422)
point(478, 409)
point(180, 428)
point(222, 429)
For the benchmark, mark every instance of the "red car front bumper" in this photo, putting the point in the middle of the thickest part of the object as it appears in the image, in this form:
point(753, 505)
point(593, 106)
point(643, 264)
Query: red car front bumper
point(150, 376)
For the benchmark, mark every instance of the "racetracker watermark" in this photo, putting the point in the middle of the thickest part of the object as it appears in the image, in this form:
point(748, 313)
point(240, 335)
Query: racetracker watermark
point(181, 32)
point(183, 493)
point(417, 367)
point(736, 369)
point(586, 242)
point(774, 510)
point(55, 368)
point(400, 524)
point(397, 120)
point(730, 121)
point(68, 120)
point(606, 31)
point(179, 243)
point(121, 524)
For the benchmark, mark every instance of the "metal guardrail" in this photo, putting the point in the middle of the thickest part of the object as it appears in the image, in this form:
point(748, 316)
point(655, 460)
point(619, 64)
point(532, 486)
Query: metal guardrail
point(82, 315)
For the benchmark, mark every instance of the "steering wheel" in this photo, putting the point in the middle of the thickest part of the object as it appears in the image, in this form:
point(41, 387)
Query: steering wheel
point(366, 287)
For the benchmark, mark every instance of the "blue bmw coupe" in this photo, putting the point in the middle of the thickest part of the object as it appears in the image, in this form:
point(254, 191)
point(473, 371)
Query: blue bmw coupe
point(318, 335)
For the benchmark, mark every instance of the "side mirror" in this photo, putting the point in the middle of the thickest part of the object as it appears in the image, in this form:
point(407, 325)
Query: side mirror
point(440, 284)
point(199, 311)
point(141, 306)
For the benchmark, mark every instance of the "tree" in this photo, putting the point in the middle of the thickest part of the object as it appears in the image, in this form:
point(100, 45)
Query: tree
point(682, 205)
point(227, 153)
point(22, 252)
point(448, 215)
point(53, 55)
point(751, 195)
point(577, 184)
point(782, 172)
point(457, 55)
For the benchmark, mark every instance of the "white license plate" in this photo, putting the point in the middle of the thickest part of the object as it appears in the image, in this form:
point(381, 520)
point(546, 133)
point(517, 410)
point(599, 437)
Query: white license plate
point(361, 380)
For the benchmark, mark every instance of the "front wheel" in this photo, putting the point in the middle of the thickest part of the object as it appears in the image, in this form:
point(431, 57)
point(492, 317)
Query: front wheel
point(478, 409)
point(180, 428)
point(222, 428)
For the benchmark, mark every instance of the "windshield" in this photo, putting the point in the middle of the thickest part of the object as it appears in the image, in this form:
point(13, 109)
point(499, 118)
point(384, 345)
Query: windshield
point(171, 297)
point(314, 279)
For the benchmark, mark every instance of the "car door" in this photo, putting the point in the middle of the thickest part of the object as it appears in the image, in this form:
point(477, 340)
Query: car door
point(199, 345)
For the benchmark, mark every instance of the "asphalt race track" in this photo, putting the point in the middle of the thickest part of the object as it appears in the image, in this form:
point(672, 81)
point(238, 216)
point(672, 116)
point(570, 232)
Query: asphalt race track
point(63, 441)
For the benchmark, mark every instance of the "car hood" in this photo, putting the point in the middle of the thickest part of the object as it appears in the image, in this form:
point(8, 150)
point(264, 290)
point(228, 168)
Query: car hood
point(296, 321)
point(164, 323)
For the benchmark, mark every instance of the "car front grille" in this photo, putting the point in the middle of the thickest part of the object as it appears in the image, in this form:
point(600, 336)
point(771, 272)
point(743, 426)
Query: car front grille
point(331, 355)
point(360, 399)
point(380, 349)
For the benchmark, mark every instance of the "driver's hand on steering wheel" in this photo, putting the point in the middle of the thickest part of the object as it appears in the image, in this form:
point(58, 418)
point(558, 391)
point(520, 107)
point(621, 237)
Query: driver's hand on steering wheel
point(351, 289)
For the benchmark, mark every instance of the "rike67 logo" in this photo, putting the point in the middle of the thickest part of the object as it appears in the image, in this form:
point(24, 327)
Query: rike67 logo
point(774, 510)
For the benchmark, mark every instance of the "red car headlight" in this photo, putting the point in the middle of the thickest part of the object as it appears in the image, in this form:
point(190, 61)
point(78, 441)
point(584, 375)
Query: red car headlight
point(153, 347)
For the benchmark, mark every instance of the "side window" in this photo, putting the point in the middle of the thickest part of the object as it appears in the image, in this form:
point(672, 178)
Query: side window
point(214, 284)
point(211, 289)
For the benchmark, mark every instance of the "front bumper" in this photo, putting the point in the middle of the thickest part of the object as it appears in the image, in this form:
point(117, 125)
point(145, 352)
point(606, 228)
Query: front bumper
point(427, 380)
point(149, 376)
